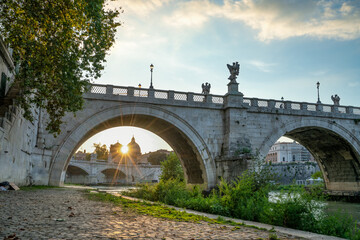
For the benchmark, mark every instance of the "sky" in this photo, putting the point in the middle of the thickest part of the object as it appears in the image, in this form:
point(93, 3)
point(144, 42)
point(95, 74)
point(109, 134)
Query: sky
point(283, 47)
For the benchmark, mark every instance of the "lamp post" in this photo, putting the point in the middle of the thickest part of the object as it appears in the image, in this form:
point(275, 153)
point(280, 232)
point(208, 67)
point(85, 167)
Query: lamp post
point(151, 70)
point(139, 89)
point(318, 85)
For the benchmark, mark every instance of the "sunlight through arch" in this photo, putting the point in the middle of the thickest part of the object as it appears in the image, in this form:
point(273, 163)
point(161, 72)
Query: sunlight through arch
point(148, 141)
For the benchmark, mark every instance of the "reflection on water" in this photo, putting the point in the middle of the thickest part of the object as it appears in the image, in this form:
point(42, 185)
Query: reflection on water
point(352, 209)
point(114, 189)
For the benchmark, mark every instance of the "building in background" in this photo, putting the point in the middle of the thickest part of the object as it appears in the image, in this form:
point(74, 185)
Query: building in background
point(131, 157)
point(286, 152)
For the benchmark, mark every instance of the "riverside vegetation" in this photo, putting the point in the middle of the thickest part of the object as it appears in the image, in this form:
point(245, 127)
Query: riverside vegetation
point(248, 198)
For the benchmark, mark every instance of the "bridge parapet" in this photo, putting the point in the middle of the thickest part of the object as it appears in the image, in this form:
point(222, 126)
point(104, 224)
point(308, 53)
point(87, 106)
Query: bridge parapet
point(217, 101)
point(301, 107)
point(142, 93)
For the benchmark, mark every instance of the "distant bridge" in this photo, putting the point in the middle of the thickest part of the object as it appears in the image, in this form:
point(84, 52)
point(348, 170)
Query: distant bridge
point(97, 171)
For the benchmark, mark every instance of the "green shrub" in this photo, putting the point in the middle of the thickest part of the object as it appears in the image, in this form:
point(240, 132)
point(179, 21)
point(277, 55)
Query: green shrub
point(317, 175)
point(171, 168)
point(248, 198)
point(172, 191)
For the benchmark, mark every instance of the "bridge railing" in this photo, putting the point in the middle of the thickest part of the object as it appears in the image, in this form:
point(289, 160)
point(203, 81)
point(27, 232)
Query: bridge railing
point(157, 94)
point(191, 97)
point(304, 106)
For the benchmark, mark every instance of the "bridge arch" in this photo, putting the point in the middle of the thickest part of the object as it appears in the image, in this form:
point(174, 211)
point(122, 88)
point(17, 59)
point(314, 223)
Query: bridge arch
point(336, 149)
point(77, 169)
point(77, 174)
point(181, 136)
point(113, 175)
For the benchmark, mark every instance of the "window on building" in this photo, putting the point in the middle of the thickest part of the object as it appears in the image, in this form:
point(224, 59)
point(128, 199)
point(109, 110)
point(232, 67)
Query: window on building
point(293, 158)
point(283, 159)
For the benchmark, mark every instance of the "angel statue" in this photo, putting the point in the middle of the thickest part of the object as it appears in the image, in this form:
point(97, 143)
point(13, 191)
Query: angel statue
point(234, 71)
point(336, 99)
point(206, 88)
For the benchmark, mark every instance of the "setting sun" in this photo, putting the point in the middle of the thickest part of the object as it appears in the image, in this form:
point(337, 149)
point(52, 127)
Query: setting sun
point(124, 149)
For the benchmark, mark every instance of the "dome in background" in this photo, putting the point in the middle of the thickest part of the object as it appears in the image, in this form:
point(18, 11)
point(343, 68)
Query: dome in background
point(134, 149)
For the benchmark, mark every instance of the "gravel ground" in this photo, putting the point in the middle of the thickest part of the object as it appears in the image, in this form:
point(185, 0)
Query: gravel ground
point(68, 214)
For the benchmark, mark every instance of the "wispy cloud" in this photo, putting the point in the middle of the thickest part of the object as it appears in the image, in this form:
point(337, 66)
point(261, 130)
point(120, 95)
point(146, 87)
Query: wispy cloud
point(353, 84)
point(276, 19)
point(319, 73)
point(141, 7)
point(261, 66)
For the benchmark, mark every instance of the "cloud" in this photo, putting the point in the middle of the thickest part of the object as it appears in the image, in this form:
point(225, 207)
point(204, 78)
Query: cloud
point(319, 73)
point(262, 66)
point(279, 19)
point(353, 84)
point(141, 7)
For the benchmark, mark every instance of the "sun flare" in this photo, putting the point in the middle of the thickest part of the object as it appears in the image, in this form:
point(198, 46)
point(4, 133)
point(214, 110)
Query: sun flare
point(124, 149)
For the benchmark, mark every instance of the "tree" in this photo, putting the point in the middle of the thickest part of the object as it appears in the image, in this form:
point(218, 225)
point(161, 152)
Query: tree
point(155, 158)
point(171, 168)
point(60, 47)
point(317, 175)
point(88, 156)
point(101, 151)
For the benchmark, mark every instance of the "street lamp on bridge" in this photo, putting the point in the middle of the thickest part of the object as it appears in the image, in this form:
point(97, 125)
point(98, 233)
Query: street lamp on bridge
point(151, 70)
point(318, 85)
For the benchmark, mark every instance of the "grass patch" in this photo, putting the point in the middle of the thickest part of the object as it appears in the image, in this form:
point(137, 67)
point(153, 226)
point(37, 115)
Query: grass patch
point(288, 187)
point(38, 187)
point(160, 211)
point(150, 209)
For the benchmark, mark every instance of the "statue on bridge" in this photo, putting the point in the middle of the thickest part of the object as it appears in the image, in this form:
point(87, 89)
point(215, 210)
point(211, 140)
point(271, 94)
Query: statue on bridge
point(335, 99)
point(206, 88)
point(234, 71)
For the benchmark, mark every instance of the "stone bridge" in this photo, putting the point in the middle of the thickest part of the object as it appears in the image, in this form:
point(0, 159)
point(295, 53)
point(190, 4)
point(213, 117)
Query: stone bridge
point(99, 171)
point(214, 136)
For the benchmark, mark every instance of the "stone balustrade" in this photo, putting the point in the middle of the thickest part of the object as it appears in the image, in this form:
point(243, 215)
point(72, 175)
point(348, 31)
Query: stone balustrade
point(218, 100)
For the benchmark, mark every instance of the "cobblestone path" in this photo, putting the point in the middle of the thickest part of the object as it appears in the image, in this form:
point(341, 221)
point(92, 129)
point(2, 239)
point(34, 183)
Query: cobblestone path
point(68, 214)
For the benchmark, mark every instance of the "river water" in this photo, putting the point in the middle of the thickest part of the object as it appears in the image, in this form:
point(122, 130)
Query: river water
point(352, 209)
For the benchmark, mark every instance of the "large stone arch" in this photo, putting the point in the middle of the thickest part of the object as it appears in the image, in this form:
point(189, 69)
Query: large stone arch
point(336, 149)
point(178, 133)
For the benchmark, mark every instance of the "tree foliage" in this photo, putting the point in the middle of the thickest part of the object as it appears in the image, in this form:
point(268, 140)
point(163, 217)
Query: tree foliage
point(60, 47)
point(317, 175)
point(101, 151)
point(171, 168)
point(155, 158)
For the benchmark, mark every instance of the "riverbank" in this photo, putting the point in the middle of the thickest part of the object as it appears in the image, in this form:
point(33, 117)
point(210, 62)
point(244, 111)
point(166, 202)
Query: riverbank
point(64, 213)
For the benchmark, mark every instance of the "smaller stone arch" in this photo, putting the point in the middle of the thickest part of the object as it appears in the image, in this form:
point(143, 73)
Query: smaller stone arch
point(76, 174)
point(113, 175)
point(334, 147)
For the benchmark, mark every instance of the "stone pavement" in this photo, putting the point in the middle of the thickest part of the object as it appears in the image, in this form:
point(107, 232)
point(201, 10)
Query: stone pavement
point(68, 214)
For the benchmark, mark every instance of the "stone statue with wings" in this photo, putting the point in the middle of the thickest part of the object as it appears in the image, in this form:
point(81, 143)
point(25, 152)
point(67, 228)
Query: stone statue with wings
point(234, 71)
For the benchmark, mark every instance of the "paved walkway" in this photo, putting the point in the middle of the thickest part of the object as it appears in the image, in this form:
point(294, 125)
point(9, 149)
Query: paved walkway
point(68, 214)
